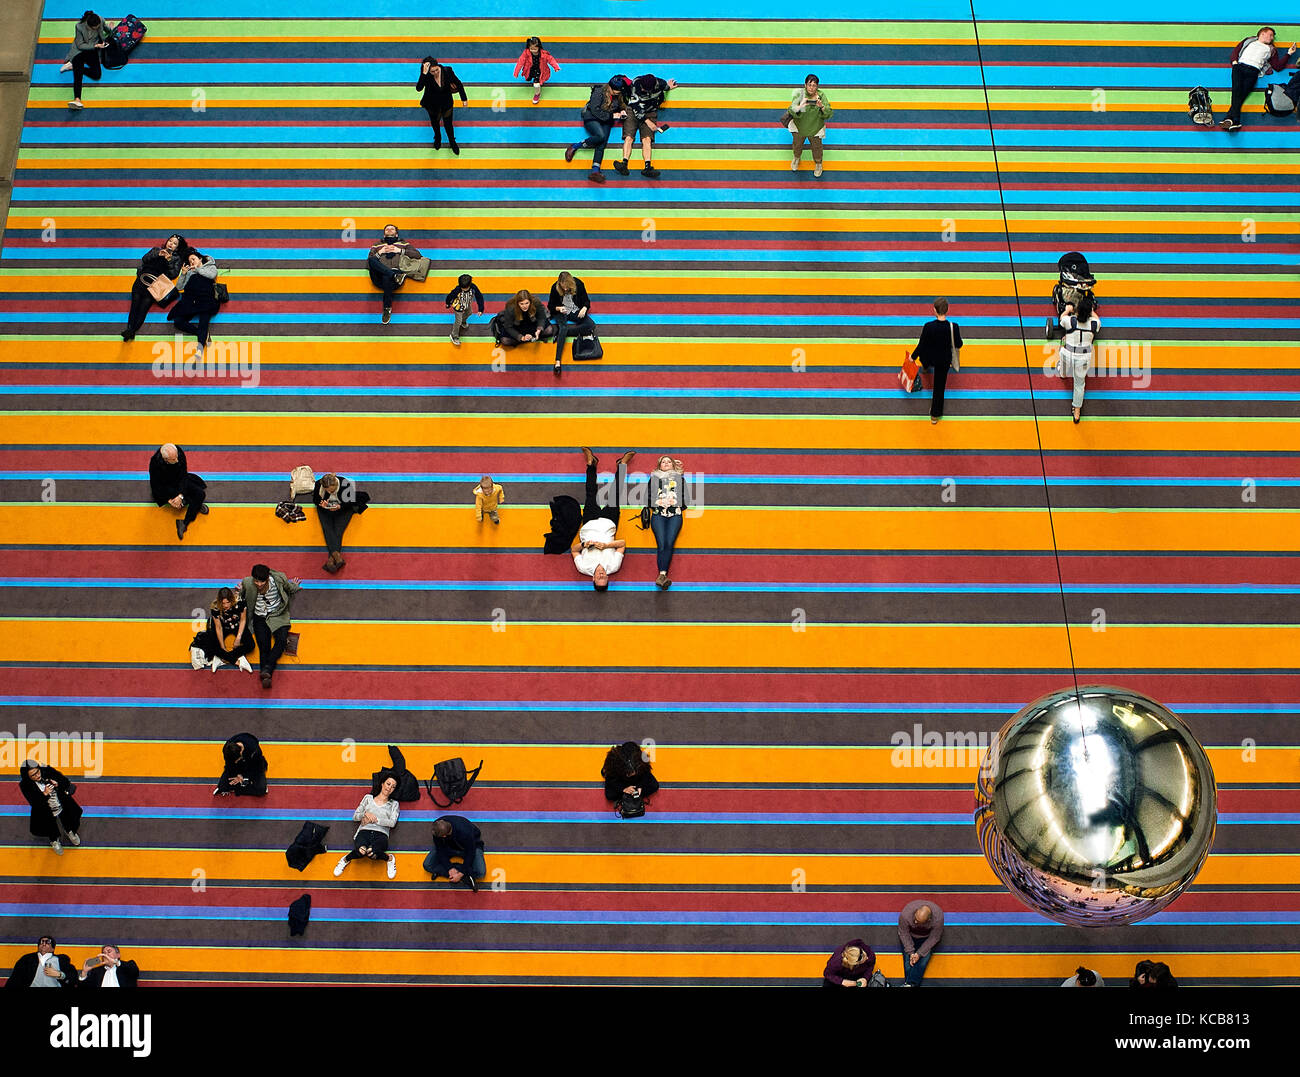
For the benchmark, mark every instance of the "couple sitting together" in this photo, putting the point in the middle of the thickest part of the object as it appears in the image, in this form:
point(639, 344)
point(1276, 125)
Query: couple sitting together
point(590, 538)
point(526, 321)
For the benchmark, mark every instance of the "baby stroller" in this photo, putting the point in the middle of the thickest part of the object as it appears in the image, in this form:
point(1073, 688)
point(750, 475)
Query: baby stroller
point(1076, 282)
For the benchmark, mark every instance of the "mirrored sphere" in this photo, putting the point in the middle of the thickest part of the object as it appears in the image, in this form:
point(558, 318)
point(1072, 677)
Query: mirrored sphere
point(1095, 807)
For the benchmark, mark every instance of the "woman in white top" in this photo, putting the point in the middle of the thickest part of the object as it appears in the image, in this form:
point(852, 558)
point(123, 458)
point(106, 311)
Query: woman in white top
point(1076, 346)
point(377, 815)
point(667, 499)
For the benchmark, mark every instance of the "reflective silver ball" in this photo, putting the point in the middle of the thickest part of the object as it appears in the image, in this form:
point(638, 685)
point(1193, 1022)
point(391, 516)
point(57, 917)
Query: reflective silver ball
point(1096, 808)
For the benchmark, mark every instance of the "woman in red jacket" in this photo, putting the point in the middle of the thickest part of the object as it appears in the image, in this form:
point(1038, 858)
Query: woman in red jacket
point(535, 65)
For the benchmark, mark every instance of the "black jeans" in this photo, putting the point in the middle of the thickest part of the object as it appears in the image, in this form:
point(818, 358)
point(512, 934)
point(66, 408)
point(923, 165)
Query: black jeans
point(194, 493)
point(939, 374)
point(564, 327)
point(1244, 78)
point(448, 121)
point(592, 509)
point(333, 524)
point(214, 646)
point(384, 278)
point(85, 63)
point(270, 645)
point(141, 303)
point(193, 323)
point(597, 139)
point(374, 840)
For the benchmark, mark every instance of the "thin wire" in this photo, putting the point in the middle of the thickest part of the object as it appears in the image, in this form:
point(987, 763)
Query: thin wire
point(1029, 375)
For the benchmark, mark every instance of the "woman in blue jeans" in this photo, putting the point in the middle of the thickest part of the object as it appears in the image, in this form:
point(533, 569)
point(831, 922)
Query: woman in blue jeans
point(667, 500)
point(607, 105)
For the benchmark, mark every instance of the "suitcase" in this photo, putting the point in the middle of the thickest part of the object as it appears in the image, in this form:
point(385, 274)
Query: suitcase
point(587, 346)
point(128, 33)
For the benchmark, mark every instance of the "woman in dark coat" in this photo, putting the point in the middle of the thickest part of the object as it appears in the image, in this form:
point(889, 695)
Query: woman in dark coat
point(337, 500)
point(245, 773)
point(627, 770)
point(439, 84)
point(852, 965)
point(165, 260)
point(198, 303)
point(55, 815)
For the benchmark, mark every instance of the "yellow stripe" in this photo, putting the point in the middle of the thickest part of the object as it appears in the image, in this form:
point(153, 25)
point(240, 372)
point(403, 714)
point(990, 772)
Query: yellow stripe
point(587, 869)
point(681, 765)
point(562, 645)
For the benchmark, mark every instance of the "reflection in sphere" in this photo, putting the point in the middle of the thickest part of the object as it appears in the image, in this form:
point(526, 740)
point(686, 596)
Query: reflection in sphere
point(1095, 808)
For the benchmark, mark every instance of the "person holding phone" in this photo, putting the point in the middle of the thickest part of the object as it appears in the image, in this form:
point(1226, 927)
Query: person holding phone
point(809, 110)
point(439, 85)
point(107, 969)
point(88, 39)
point(1253, 56)
point(165, 260)
point(337, 500)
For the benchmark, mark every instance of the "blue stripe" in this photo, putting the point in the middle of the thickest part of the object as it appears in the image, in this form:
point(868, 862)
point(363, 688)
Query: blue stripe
point(608, 816)
point(371, 913)
point(250, 256)
point(713, 479)
point(1252, 198)
point(134, 584)
point(61, 319)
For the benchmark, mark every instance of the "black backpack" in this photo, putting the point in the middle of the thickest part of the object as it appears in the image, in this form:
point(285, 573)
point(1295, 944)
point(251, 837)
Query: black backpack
point(453, 779)
point(1200, 107)
point(631, 806)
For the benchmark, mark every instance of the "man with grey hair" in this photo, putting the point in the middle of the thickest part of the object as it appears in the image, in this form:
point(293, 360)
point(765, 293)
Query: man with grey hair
point(171, 483)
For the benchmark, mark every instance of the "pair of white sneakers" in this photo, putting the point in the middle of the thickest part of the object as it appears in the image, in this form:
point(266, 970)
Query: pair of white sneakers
point(344, 862)
point(198, 660)
point(794, 167)
point(57, 846)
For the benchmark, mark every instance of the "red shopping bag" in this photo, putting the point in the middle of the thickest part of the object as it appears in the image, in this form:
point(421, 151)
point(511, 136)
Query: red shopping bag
point(910, 376)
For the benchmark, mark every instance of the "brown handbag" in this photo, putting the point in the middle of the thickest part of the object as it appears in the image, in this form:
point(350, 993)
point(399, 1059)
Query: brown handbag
point(159, 287)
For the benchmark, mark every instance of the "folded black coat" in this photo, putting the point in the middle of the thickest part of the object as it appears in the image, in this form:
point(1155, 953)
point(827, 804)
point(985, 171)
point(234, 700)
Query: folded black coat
point(299, 914)
point(309, 842)
point(408, 785)
point(566, 519)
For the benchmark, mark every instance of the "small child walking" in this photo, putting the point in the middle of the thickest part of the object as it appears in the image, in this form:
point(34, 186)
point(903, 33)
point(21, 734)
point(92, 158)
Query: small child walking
point(461, 299)
point(488, 495)
point(536, 65)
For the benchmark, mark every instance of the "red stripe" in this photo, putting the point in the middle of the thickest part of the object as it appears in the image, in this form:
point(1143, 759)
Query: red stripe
point(132, 463)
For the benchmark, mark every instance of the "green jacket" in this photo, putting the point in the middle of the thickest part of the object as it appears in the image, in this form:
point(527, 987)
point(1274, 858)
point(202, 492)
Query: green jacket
point(287, 589)
point(808, 119)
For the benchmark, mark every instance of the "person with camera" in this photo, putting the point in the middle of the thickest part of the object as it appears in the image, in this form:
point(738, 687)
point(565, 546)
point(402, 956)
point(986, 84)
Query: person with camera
point(107, 969)
point(806, 121)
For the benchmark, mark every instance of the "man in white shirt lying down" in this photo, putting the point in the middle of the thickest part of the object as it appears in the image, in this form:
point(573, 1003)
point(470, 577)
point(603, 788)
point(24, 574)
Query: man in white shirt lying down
point(597, 553)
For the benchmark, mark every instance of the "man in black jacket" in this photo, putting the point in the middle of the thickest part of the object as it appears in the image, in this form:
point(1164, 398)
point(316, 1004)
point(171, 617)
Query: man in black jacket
point(170, 483)
point(44, 968)
point(936, 350)
point(110, 970)
point(454, 835)
point(384, 265)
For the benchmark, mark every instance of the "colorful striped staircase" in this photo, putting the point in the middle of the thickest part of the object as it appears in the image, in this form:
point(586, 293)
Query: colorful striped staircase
point(855, 574)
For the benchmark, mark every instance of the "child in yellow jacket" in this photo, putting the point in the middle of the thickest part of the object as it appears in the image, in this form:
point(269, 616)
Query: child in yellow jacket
point(487, 496)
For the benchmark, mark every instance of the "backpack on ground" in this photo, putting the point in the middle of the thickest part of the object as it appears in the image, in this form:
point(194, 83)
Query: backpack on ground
point(586, 345)
point(1200, 107)
point(631, 806)
point(453, 780)
point(1277, 102)
point(408, 785)
point(128, 33)
point(878, 980)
